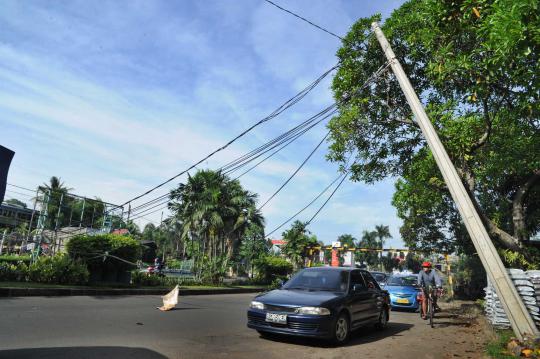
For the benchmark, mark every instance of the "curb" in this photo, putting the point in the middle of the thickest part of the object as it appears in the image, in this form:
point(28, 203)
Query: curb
point(62, 292)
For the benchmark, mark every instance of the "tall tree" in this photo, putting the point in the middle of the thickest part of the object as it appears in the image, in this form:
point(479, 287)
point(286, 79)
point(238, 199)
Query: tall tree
point(254, 247)
point(383, 232)
point(347, 240)
point(15, 202)
point(298, 240)
point(476, 66)
point(215, 211)
point(369, 241)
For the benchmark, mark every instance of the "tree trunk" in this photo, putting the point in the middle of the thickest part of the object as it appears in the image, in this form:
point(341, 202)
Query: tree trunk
point(518, 209)
point(505, 239)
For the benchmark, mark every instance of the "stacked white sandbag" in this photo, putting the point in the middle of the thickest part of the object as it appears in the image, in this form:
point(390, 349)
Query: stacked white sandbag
point(494, 312)
point(526, 289)
point(534, 277)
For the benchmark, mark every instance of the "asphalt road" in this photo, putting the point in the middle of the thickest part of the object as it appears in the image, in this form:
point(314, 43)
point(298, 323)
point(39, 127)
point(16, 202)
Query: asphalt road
point(211, 326)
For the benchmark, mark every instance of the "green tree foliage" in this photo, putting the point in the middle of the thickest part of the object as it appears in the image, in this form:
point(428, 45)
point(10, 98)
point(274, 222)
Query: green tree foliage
point(388, 262)
point(254, 247)
point(347, 240)
point(64, 209)
point(104, 253)
point(475, 64)
point(470, 278)
point(368, 240)
point(15, 202)
point(215, 212)
point(413, 262)
point(58, 269)
point(271, 268)
point(383, 233)
point(298, 240)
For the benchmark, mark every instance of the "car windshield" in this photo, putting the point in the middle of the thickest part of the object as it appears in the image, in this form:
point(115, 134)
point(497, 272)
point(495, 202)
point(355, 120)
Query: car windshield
point(379, 277)
point(327, 280)
point(409, 281)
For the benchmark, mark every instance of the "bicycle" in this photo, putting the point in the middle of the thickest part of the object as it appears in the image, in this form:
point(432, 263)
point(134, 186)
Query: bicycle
point(433, 294)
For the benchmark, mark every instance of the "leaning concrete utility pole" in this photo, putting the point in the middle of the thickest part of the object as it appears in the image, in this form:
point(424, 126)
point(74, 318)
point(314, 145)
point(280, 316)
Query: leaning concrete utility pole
point(517, 313)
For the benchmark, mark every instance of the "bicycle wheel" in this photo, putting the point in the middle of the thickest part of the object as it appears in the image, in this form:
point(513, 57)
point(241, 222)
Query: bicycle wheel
point(431, 311)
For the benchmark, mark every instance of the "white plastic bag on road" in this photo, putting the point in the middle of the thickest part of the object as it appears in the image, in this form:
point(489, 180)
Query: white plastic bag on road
point(170, 300)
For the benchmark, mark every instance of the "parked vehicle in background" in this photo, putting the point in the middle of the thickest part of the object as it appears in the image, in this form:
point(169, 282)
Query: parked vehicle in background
point(403, 290)
point(380, 277)
point(321, 302)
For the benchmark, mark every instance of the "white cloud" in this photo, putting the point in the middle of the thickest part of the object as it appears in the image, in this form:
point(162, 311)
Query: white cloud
point(115, 99)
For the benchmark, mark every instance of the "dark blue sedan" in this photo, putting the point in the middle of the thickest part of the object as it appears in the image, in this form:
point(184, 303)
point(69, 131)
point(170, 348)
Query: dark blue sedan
point(322, 302)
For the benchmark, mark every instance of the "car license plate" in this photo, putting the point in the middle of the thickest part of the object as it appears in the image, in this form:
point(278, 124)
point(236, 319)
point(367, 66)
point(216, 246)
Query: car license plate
point(276, 318)
point(402, 301)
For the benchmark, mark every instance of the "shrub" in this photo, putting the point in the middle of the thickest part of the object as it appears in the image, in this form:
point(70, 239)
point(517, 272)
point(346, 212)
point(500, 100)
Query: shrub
point(151, 280)
point(146, 279)
point(213, 270)
point(106, 253)
point(59, 269)
point(12, 258)
point(13, 272)
point(271, 268)
point(174, 264)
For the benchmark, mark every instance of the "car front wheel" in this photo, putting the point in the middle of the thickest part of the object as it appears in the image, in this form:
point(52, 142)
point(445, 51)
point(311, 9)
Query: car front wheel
point(342, 330)
point(383, 319)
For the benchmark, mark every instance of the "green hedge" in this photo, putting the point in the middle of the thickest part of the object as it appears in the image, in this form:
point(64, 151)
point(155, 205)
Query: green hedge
point(152, 280)
point(13, 258)
point(10, 272)
point(59, 269)
point(272, 269)
point(107, 256)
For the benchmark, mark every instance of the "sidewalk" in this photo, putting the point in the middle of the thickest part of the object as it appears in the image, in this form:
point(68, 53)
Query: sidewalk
point(49, 292)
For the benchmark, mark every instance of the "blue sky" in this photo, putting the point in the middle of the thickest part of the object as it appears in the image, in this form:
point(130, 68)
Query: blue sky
point(114, 97)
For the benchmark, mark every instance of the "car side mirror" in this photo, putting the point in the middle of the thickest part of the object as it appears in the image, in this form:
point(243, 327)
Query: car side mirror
point(281, 283)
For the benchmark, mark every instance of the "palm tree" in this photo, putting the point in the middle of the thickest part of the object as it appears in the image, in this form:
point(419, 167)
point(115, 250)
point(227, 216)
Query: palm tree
point(383, 232)
point(369, 240)
point(298, 240)
point(55, 185)
point(52, 197)
point(215, 211)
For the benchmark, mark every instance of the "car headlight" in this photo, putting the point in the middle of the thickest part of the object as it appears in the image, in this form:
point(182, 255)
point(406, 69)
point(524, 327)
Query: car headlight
point(313, 311)
point(256, 305)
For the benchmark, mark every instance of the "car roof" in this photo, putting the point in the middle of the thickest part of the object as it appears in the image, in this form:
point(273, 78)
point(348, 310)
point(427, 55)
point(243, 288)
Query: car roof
point(346, 269)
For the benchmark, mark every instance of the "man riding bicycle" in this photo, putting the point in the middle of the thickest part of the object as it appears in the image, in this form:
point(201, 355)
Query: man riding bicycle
point(428, 278)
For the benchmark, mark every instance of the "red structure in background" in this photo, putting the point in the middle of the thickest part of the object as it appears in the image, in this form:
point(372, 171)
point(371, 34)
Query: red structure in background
point(335, 258)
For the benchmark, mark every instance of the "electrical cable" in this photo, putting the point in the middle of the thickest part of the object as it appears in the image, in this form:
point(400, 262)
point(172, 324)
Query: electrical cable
point(307, 206)
point(295, 172)
point(304, 19)
point(291, 135)
point(327, 200)
point(27, 189)
point(289, 103)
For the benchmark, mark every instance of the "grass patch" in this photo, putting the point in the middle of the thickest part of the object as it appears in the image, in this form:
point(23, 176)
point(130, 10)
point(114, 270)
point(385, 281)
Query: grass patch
point(496, 348)
point(34, 285)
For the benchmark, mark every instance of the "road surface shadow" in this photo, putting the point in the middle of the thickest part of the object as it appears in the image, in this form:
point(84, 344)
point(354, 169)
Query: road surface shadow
point(175, 309)
point(81, 353)
point(360, 336)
